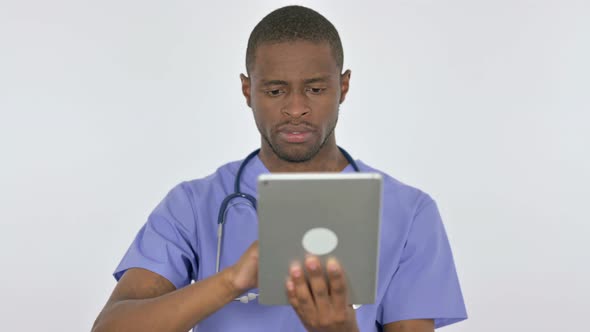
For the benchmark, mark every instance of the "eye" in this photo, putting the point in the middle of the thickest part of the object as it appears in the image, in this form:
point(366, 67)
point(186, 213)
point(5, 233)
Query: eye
point(316, 91)
point(274, 93)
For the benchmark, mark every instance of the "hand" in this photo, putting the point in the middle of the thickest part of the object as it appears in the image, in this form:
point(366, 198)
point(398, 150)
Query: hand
point(321, 306)
point(244, 274)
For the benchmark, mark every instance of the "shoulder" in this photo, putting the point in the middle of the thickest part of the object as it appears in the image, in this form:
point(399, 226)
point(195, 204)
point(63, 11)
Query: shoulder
point(222, 178)
point(188, 198)
point(404, 197)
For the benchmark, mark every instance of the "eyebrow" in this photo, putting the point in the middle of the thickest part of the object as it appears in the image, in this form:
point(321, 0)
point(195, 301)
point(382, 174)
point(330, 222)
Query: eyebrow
point(274, 82)
point(320, 79)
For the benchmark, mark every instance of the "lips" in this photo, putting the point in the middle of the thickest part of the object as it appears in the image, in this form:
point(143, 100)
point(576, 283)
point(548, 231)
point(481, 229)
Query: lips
point(295, 133)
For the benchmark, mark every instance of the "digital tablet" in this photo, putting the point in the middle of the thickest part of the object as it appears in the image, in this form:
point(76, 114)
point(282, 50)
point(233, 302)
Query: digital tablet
point(326, 214)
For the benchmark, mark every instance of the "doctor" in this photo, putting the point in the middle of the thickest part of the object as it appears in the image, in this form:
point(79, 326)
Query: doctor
point(294, 86)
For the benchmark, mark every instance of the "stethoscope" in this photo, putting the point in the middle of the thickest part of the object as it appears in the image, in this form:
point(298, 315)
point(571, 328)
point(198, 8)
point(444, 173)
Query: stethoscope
point(238, 193)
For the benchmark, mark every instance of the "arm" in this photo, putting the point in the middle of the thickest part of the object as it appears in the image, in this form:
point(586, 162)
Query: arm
point(145, 301)
point(417, 325)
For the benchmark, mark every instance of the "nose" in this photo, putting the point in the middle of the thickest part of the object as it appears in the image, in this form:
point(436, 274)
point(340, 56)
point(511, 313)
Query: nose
point(297, 106)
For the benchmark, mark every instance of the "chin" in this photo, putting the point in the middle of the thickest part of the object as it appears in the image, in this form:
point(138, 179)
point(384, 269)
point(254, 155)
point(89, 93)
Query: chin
point(296, 153)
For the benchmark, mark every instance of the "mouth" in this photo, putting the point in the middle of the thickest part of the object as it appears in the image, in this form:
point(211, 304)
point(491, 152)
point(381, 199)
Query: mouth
point(295, 134)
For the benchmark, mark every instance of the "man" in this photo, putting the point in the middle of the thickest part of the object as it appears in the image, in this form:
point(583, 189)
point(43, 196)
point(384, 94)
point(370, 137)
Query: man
point(294, 87)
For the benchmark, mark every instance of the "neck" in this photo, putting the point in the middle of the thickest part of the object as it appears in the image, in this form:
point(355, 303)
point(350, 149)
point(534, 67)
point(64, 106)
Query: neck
point(328, 159)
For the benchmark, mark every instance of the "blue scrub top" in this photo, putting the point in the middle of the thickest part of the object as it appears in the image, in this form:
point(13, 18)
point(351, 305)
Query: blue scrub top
point(417, 277)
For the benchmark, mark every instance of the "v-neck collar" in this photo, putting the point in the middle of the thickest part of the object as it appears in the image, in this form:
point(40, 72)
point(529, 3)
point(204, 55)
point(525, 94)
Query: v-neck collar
point(256, 167)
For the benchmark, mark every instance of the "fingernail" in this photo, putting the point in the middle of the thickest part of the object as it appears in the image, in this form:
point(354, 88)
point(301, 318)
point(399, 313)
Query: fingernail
point(290, 285)
point(332, 265)
point(295, 270)
point(312, 264)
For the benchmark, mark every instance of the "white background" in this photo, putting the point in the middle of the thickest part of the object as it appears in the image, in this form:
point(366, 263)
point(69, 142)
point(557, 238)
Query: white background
point(106, 105)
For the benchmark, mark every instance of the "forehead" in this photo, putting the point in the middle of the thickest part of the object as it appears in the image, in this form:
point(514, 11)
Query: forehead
point(293, 60)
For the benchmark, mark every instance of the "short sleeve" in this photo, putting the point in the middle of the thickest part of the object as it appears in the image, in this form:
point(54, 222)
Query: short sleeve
point(166, 244)
point(425, 285)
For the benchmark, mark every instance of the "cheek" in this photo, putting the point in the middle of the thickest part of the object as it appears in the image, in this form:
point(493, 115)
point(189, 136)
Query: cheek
point(262, 119)
point(329, 110)
point(266, 112)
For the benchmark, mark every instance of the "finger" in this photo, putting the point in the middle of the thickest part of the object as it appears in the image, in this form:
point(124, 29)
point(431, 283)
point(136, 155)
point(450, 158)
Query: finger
point(318, 285)
point(291, 297)
point(290, 286)
point(303, 297)
point(253, 249)
point(338, 289)
point(254, 262)
point(244, 274)
point(251, 263)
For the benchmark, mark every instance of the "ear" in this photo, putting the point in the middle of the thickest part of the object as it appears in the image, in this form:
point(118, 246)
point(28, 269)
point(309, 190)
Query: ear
point(344, 84)
point(246, 88)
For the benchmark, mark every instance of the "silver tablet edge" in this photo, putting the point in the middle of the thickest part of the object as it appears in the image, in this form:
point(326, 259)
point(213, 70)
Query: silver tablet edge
point(318, 176)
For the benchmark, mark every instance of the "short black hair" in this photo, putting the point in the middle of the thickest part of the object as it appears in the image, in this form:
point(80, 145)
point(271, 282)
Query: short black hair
point(294, 23)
